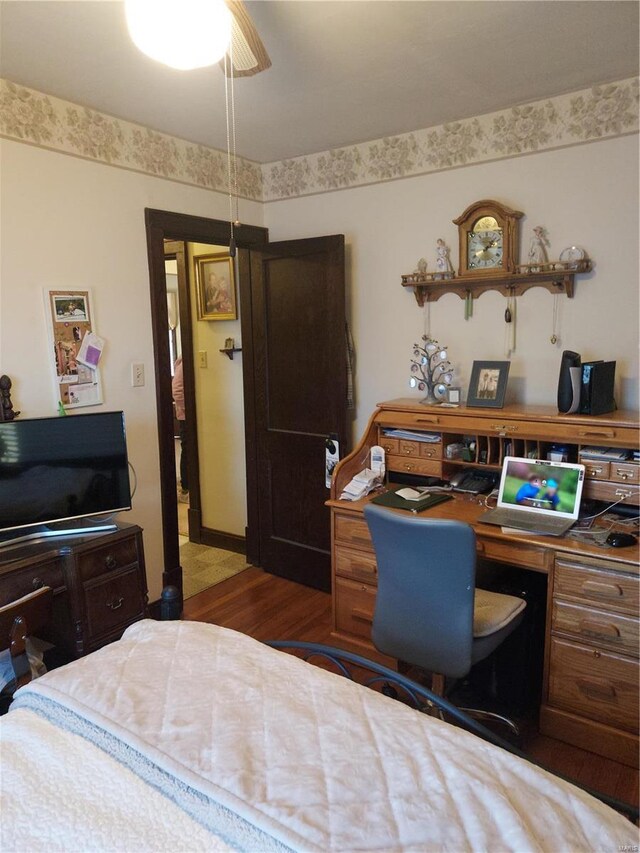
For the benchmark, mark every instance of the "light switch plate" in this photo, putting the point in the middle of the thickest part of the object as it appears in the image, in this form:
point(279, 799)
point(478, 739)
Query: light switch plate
point(202, 358)
point(137, 374)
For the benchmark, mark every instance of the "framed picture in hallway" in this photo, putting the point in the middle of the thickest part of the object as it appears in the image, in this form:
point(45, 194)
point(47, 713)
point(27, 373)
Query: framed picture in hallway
point(216, 287)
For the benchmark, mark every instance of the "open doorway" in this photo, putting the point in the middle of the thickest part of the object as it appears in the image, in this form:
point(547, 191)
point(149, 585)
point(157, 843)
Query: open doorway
point(208, 422)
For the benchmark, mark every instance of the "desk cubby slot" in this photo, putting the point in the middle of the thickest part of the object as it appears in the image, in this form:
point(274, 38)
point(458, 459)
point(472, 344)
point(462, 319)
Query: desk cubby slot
point(531, 449)
point(482, 450)
point(494, 457)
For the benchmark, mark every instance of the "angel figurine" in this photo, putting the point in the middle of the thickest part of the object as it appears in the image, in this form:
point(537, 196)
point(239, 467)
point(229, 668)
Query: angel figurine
point(443, 261)
point(537, 248)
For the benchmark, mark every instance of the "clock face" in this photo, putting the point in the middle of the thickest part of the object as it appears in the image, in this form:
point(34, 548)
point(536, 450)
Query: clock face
point(485, 244)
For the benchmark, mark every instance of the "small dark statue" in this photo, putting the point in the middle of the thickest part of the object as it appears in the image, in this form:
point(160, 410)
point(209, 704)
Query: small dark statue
point(6, 406)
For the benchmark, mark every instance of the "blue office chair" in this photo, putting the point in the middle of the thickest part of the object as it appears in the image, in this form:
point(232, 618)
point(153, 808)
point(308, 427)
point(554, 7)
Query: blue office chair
point(428, 612)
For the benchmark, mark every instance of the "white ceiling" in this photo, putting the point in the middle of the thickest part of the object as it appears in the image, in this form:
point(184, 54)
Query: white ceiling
point(344, 71)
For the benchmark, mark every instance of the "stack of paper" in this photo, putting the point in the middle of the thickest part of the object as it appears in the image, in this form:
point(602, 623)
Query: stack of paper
point(430, 437)
point(363, 483)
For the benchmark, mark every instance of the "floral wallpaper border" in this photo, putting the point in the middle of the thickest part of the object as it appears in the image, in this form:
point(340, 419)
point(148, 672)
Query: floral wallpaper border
point(48, 122)
point(598, 113)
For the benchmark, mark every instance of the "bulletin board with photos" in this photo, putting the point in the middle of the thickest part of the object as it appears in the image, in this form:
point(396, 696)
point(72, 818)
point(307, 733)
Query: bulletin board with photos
point(76, 348)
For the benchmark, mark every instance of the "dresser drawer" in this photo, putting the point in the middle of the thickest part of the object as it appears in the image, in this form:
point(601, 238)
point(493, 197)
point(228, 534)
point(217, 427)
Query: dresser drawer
point(598, 685)
point(355, 604)
point(425, 467)
point(624, 472)
point(356, 564)
point(113, 603)
point(515, 553)
point(605, 588)
point(23, 581)
point(109, 558)
point(596, 470)
point(352, 530)
point(429, 450)
point(606, 630)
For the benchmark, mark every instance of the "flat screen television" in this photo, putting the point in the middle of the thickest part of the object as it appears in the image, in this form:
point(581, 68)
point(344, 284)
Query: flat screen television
point(55, 472)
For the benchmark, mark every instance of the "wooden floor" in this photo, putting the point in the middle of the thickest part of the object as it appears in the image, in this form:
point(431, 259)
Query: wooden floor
point(271, 608)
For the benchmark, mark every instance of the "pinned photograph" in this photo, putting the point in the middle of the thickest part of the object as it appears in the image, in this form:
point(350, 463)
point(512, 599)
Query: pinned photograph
point(488, 384)
point(70, 309)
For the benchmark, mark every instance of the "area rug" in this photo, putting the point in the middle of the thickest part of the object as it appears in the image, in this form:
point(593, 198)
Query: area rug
point(203, 566)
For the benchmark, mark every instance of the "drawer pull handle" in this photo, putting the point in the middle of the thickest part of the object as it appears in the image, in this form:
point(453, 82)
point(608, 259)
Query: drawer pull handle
point(362, 616)
point(115, 604)
point(427, 420)
point(596, 689)
point(593, 472)
point(607, 590)
point(599, 629)
point(597, 433)
point(409, 467)
point(36, 583)
point(110, 561)
point(504, 428)
point(624, 475)
point(364, 568)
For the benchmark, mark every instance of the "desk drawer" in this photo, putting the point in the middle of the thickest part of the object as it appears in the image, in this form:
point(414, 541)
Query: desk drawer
point(109, 558)
point(18, 583)
point(431, 450)
point(113, 603)
point(409, 448)
point(599, 490)
point(596, 470)
point(390, 445)
point(605, 588)
point(412, 465)
point(356, 565)
point(352, 530)
point(607, 630)
point(515, 553)
point(355, 604)
point(598, 685)
point(624, 472)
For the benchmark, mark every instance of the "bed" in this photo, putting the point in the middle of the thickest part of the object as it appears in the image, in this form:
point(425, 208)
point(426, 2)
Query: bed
point(188, 736)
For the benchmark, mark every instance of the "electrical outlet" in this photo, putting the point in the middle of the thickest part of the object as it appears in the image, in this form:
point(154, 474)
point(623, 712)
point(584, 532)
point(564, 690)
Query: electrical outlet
point(202, 358)
point(137, 374)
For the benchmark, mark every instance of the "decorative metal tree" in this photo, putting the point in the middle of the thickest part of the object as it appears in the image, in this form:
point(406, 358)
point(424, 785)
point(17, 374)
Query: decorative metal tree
point(431, 370)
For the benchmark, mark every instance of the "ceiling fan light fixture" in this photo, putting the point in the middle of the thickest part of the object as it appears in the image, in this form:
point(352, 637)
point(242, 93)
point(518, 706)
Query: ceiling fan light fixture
point(183, 34)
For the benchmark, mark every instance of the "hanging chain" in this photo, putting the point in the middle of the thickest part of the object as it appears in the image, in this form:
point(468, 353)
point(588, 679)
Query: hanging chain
point(554, 324)
point(233, 136)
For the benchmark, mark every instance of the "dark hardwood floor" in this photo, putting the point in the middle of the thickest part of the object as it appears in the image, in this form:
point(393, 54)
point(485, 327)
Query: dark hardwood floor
point(270, 608)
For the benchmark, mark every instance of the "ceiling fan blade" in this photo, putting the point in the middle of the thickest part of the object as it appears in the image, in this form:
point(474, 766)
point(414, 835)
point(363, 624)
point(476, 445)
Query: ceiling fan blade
point(249, 54)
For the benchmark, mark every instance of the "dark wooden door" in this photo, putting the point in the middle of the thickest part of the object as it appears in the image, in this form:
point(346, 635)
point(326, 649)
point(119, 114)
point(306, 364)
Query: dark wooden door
point(299, 353)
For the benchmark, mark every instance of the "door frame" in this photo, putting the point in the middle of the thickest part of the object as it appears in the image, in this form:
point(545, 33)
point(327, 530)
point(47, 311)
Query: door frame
point(164, 225)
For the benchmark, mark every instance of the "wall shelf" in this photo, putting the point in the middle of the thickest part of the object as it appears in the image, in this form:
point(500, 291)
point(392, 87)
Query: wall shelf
point(513, 284)
point(230, 351)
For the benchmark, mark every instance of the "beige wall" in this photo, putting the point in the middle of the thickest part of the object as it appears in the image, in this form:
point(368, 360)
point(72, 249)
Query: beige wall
point(71, 223)
point(220, 414)
point(585, 195)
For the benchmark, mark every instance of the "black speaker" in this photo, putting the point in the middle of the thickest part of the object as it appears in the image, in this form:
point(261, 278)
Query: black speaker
point(569, 382)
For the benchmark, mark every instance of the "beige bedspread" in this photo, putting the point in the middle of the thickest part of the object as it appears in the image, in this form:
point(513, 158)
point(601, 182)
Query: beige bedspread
point(311, 760)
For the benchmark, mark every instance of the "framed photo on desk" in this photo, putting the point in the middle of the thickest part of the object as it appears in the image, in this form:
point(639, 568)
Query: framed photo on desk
point(488, 384)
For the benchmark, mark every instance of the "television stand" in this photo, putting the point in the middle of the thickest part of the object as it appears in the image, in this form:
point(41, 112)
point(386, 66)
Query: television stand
point(79, 527)
point(98, 582)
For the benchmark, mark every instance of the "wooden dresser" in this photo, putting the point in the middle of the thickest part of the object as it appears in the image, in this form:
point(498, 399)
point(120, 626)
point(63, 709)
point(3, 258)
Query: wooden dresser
point(99, 584)
point(591, 686)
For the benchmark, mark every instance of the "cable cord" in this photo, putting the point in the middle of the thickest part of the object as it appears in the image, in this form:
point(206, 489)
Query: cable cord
point(135, 481)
